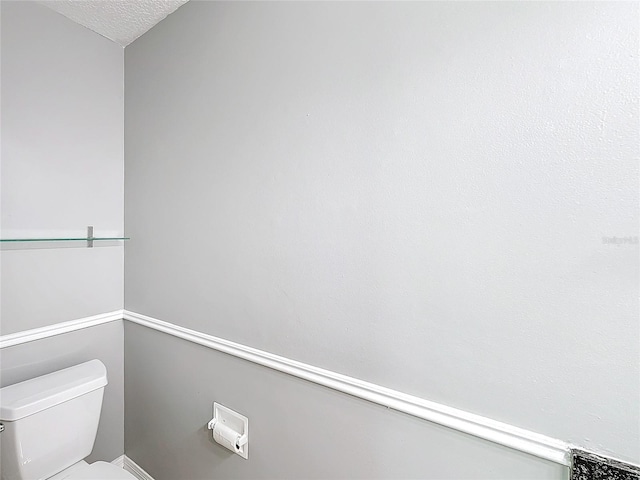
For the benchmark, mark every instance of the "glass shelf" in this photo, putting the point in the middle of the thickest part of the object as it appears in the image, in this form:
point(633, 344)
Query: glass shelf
point(63, 240)
point(69, 241)
point(83, 239)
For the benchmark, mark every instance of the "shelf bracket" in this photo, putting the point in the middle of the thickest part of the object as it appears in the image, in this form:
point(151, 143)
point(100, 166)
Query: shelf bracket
point(90, 236)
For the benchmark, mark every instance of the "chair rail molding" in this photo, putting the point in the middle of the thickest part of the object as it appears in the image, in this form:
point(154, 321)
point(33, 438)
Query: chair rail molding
point(488, 429)
point(497, 432)
point(58, 329)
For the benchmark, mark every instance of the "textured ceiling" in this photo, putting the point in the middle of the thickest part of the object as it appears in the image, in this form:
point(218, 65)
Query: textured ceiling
point(119, 20)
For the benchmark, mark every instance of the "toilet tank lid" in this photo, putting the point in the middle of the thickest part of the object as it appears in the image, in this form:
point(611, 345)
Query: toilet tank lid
point(32, 396)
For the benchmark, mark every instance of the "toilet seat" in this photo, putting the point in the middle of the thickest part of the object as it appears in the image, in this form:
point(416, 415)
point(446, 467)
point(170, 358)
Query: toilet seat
point(93, 471)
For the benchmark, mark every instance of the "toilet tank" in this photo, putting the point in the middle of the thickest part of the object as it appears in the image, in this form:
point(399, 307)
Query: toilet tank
point(50, 422)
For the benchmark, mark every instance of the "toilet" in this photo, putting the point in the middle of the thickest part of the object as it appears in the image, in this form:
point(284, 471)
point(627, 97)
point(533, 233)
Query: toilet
point(49, 426)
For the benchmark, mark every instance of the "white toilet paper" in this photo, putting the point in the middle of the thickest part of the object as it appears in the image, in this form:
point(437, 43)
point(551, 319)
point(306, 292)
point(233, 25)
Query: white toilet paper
point(226, 437)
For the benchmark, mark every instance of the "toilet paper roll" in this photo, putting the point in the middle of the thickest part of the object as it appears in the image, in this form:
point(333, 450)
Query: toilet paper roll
point(226, 437)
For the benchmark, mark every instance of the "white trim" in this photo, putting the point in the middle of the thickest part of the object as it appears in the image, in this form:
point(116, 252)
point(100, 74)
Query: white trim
point(132, 467)
point(513, 437)
point(136, 470)
point(58, 329)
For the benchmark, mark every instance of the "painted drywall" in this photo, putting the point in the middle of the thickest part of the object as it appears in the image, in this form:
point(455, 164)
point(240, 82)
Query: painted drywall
point(297, 429)
point(104, 342)
point(62, 167)
point(414, 194)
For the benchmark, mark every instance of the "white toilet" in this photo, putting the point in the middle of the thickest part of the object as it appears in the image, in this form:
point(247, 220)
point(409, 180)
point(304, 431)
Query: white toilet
point(50, 425)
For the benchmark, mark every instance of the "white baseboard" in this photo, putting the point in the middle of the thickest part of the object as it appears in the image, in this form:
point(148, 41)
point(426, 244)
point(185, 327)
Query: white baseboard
point(136, 470)
point(132, 467)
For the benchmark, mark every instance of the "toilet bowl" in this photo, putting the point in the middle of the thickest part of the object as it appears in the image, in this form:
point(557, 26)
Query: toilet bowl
point(49, 426)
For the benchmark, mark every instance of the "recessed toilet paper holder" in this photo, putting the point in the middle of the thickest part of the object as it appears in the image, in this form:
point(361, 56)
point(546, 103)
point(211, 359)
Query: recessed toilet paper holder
point(230, 429)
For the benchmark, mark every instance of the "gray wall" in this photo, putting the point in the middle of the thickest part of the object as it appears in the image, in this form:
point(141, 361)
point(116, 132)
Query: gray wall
point(104, 342)
point(62, 167)
point(297, 429)
point(414, 194)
